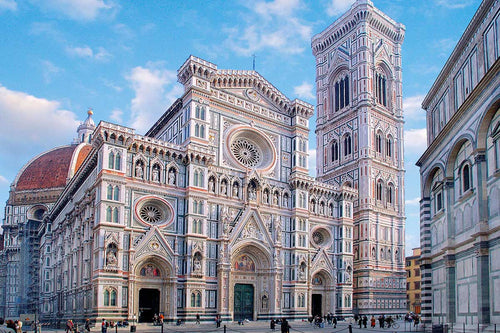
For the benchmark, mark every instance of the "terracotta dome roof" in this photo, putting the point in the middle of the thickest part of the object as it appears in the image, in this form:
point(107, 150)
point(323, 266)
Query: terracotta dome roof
point(52, 169)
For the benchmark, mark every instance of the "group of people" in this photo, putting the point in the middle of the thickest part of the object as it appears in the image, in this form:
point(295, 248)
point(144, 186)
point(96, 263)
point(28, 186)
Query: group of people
point(11, 326)
point(158, 319)
point(71, 327)
point(413, 317)
point(320, 321)
point(283, 323)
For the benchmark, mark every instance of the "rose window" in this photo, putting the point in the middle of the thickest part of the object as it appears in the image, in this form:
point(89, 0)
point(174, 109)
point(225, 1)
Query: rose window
point(318, 238)
point(321, 237)
point(246, 152)
point(151, 214)
point(153, 210)
point(249, 148)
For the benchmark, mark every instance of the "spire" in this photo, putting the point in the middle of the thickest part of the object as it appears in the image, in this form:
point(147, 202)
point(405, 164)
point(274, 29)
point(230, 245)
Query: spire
point(86, 128)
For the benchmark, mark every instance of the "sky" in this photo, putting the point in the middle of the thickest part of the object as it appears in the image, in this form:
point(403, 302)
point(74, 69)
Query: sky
point(120, 58)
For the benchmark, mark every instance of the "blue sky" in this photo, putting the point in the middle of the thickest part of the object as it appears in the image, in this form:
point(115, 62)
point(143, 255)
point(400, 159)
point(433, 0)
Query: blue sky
point(60, 57)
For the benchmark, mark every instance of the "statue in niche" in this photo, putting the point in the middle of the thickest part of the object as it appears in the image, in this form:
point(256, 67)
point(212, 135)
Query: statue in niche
point(197, 264)
point(278, 228)
point(171, 177)
point(252, 193)
point(265, 197)
point(211, 185)
point(265, 301)
point(236, 191)
point(302, 272)
point(285, 201)
point(156, 174)
point(139, 173)
point(223, 187)
point(226, 220)
point(111, 257)
point(276, 198)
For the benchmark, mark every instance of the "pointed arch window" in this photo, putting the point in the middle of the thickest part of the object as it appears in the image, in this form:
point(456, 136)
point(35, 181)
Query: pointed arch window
point(341, 93)
point(109, 213)
point(111, 160)
point(118, 161)
point(381, 89)
point(347, 145)
point(115, 215)
point(116, 193)
point(379, 189)
point(335, 151)
point(378, 142)
point(390, 194)
point(196, 299)
point(388, 146)
point(110, 192)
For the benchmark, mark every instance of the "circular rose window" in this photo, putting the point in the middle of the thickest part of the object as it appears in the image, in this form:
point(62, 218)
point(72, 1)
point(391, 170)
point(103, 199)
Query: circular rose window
point(154, 211)
point(321, 237)
point(250, 148)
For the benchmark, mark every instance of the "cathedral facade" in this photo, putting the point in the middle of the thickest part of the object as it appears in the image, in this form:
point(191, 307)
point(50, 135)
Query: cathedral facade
point(213, 211)
point(460, 184)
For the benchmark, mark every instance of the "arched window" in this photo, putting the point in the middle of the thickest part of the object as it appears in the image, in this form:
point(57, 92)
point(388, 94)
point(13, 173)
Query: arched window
point(109, 213)
point(466, 184)
point(110, 192)
point(197, 130)
point(347, 145)
point(388, 146)
point(378, 142)
point(47, 262)
point(378, 191)
point(113, 298)
point(381, 89)
point(335, 151)
point(106, 297)
point(118, 161)
point(196, 299)
point(390, 194)
point(111, 160)
point(116, 193)
point(196, 178)
point(202, 131)
point(115, 215)
point(202, 114)
point(341, 93)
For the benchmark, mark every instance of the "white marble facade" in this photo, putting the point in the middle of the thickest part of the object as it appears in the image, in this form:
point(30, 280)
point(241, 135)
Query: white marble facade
point(460, 215)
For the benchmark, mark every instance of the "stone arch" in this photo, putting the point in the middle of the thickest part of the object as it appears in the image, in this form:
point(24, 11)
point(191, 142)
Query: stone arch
point(429, 178)
point(450, 163)
point(484, 124)
point(260, 254)
point(165, 268)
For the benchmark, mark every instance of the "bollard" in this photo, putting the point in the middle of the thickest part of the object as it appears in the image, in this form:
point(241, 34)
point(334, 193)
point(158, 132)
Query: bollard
point(463, 327)
point(350, 328)
point(116, 328)
point(161, 327)
point(224, 328)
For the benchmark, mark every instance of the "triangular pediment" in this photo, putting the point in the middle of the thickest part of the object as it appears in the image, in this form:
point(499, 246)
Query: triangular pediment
point(251, 226)
point(154, 243)
point(337, 58)
point(382, 53)
point(321, 261)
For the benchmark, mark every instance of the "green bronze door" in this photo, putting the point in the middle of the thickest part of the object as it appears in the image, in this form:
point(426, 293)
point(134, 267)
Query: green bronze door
point(243, 302)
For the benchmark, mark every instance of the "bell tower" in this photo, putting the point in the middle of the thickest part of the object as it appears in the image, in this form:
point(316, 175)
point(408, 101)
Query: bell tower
point(359, 132)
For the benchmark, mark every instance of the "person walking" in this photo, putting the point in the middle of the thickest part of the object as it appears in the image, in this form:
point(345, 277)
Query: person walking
point(198, 318)
point(272, 325)
point(285, 327)
point(4, 329)
point(365, 321)
point(87, 325)
point(373, 321)
point(334, 322)
point(104, 326)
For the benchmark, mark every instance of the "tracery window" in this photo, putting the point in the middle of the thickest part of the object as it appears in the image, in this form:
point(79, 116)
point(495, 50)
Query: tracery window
point(381, 88)
point(200, 112)
point(116, 193)
point(379, 189)
point(388, 146)
point(111, 160)
point(110, 297)
point(378, 142)
point(196, 299)
point(198, 178)
point(335, 151)
point(390, 194)
point(341, 93)
point(110, 192)
point(197, 226)
point(115, 215)
point(109, 214)
point(347, 144)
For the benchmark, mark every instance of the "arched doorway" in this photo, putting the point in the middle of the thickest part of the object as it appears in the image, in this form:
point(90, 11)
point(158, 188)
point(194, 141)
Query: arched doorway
point(322, 294)
point(149, 304)
point(152, 290)
point(253, 281)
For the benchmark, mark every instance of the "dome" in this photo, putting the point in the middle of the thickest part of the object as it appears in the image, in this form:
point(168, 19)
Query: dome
point(51, 169)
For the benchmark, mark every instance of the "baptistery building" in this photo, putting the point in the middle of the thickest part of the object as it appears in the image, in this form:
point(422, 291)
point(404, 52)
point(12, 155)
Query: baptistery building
point(460, 184)
point(213, 211)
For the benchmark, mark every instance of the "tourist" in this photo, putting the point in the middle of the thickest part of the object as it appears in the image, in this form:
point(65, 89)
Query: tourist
point(334, 322)
point(87, 325)
point(198, 318)
point(104, 326)
point(273, 324)
point(373, 321)
point(4, 329)
point(365, 321)
point(69, 326)
point(285, 327)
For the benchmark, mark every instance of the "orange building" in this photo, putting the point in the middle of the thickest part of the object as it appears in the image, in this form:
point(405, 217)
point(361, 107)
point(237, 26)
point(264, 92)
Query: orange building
point(413, 290)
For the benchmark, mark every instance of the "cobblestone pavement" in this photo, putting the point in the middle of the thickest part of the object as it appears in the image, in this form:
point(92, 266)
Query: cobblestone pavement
point(297, 327)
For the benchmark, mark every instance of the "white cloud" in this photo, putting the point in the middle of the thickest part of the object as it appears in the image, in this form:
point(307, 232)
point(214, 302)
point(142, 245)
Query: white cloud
point(8, 5)
point(155, 90)
point(270, 25)
point(412, 107)
point(412, 241)
point(117, 115)
point(444, 46)
point(312, 162)
point(305, 90)
point(80, 10)
point(86, 52)
point(337, 7)
point(454, 4)
point(412, 202)
point(49, 71)
point(26, 121)
point(415, 141)
point(3, 180)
